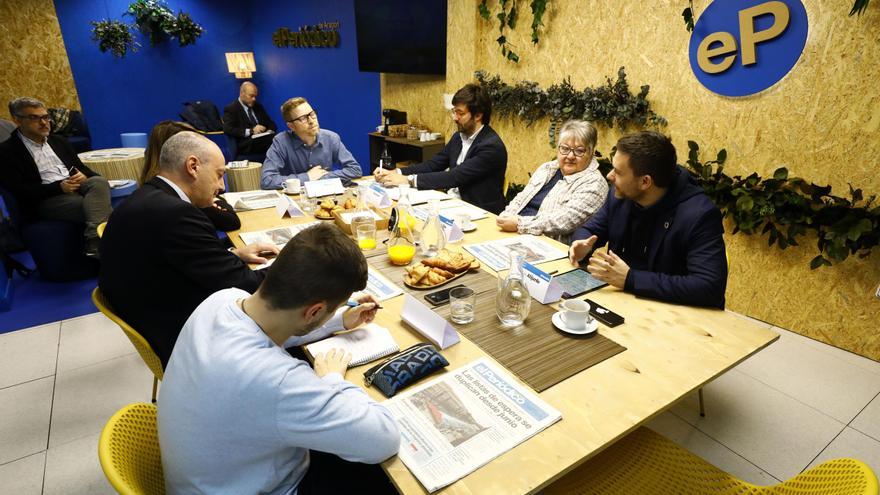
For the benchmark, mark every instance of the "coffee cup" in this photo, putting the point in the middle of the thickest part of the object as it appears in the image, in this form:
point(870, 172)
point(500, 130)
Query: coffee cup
point(435, 136)
point(292, 186)
point(575, 314)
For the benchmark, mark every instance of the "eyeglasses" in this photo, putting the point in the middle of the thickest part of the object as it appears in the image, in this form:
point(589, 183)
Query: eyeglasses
point(34, 118)
point(565, 150)
point(304, 119)
point(457, 113)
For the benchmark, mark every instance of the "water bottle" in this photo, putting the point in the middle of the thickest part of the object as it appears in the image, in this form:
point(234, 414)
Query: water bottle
point(385, 161)
point(513, 301)
point(433, 237)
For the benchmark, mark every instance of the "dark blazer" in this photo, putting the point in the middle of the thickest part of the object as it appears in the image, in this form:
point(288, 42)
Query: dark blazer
point(20, 176)
point(235, 122)
point(479, 178)
point(686, 255)
point(160, 258)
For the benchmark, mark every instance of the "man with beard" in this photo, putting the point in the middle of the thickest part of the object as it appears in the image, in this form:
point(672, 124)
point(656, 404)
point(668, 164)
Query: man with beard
point(664, 234)
point(306, 152)
point(471, 165)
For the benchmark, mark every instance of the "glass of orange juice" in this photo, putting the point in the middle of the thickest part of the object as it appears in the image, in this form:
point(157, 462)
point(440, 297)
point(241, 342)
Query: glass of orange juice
point(366, 236)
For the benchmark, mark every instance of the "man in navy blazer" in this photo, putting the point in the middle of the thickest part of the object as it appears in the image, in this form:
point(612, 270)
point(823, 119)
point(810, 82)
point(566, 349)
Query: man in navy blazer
point(473, 162)
point(47, 178)
point(664, 234)
point(245, 117)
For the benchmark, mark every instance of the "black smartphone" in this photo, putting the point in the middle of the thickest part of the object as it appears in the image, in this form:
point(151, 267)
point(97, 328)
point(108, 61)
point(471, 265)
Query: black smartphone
point(441, 296)
point(605, 315)
point(577, 282)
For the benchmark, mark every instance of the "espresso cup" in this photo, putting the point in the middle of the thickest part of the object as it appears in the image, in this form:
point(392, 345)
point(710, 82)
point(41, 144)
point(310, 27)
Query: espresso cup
point(575, 314)
point(292, 186)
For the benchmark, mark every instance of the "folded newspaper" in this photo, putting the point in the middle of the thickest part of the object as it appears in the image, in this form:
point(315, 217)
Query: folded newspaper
point(278, 235)
point(495, 254)
point(452, 425)
point(252, 200)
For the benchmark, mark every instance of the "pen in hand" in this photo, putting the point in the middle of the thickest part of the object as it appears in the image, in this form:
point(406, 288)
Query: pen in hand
point(353, 304)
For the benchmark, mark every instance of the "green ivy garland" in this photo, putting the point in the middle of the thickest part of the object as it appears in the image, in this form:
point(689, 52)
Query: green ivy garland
point(688, 13)
point(610, 104)
point(114, 36)
point(507, 19)
point(787, 207)
point(156, 20)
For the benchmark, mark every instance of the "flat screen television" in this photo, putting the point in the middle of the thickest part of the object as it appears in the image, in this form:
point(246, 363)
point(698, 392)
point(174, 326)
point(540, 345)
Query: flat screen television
point(401, 36)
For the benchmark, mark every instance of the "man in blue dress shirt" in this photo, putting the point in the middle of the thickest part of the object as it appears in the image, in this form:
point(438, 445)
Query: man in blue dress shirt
point(306, 152)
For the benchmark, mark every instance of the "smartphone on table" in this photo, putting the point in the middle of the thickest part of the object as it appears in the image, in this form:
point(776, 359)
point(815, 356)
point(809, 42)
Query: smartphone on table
point(441, 296)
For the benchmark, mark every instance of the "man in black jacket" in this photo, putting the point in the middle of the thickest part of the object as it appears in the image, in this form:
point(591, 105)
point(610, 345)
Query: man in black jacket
point(160, 255)
point(246, 117)
point(473, 162)
point(47, 178)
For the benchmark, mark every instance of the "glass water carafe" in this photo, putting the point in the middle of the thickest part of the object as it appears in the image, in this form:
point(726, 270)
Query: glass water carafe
point(513, 301)
point(401, 247)
point(433, 237)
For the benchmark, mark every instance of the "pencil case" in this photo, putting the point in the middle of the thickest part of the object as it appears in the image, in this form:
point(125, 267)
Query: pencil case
point(410, 366)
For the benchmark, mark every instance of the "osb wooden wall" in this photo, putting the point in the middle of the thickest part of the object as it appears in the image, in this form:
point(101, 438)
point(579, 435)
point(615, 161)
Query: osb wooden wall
point(34, 58)
point(822, 121)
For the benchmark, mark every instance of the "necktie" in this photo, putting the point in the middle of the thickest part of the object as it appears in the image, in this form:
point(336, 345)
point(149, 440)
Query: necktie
point(251, 117)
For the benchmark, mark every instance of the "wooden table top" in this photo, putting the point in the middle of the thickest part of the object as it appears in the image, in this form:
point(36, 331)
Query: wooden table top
point(671, 351)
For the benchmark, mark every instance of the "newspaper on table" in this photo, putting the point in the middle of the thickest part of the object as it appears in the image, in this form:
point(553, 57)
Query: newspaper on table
point(278, 235)
point(495, 253)
point(252, 200)
point(452, 425)
point(452, 208)
point(380, 287)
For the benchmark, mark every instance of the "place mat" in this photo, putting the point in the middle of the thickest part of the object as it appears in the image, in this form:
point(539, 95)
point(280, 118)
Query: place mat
point(536, 351)
point(478, 280)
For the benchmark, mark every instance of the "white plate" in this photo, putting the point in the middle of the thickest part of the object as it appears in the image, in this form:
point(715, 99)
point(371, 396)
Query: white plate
point(558, 323)
point(472, 227)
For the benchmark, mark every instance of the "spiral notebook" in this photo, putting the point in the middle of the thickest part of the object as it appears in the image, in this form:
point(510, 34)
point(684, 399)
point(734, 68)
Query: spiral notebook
point(368, 343)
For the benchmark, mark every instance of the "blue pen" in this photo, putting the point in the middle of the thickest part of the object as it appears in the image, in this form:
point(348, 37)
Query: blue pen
point(354, 304)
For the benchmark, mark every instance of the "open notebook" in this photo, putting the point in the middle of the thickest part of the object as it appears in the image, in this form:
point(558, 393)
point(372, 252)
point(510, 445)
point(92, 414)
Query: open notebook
point(368, 343)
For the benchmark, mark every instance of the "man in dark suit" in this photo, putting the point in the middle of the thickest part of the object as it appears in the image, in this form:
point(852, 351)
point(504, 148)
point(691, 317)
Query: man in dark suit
point(47, 178)
point(473, 162)
point(245, 117)
point(160, 254)
point(664, 234)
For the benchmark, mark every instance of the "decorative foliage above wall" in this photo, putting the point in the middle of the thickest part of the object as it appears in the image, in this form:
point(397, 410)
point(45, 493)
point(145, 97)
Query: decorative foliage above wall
point(154, 19)
point(787, 207)
point(507, 19)
point(688, 13)
point(608, 104)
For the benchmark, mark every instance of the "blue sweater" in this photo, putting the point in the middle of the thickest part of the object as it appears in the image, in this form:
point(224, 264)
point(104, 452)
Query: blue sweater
point(290, 158)
point(685, 260)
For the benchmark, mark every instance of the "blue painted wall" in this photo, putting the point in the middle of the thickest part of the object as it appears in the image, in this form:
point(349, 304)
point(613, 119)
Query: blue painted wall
point(133, 93)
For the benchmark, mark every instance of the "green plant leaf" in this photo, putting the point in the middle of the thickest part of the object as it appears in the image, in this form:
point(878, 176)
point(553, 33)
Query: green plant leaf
point(780, 173)
point(745, 203)
point(722, 156)
point(484, 10)
point(818, 261)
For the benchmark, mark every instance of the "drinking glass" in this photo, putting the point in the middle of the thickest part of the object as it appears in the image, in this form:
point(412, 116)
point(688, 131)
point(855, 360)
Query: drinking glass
point(366, 236)
point(462, 301)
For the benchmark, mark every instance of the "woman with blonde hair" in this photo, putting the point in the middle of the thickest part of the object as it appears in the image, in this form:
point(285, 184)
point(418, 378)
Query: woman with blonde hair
point(562, 194)
point(221, 214)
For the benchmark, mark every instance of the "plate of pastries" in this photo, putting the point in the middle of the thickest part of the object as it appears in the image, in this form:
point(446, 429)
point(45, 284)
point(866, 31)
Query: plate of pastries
point(439, 270)
point(329, 205)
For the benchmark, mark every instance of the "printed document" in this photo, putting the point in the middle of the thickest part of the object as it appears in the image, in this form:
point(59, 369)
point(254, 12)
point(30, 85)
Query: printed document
point(453, 424)
point(252, 200)
point(278, 235)
point(495, 253)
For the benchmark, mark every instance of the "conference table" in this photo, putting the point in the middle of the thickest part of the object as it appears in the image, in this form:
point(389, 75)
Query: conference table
point(671, 351)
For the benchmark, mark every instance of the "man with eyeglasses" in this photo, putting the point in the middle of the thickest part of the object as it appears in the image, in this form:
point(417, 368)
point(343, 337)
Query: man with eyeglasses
point(247, 122)
point(47, 178)
point(306, 152)
point(471, 165)
point(664, 234)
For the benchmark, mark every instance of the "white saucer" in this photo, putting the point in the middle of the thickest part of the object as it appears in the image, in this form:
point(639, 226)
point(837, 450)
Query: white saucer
point(558, 323)
point(472, 227)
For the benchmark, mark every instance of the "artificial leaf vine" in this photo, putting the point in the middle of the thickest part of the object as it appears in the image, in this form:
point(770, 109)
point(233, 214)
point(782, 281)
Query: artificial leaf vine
point(508, 15)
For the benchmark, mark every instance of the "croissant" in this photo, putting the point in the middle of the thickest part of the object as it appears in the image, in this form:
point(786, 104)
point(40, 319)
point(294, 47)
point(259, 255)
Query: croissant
point(434, 278)
point(443, 273)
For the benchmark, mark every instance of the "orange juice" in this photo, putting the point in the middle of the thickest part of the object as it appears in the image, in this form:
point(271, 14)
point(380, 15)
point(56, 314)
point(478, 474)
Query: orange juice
point(401, 254)
point(367, 244)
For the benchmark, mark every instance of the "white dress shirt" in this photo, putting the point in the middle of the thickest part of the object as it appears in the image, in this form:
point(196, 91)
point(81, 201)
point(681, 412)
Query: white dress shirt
point(51, 168)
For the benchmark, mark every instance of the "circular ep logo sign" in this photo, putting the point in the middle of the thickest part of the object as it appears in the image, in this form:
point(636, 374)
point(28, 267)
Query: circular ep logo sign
point(741, 47)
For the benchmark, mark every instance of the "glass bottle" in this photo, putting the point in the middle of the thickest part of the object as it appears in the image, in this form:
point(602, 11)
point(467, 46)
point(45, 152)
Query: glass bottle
point(385, 161)
point(401, 245)
point(433, 237)
point(362, 214)
point(513, 301)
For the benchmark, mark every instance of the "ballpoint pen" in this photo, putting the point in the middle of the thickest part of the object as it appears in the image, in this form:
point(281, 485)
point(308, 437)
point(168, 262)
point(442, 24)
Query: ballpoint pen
point(353, 304)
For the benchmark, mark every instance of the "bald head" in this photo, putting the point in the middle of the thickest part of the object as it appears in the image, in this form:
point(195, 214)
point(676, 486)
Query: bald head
point(195, 164)
point(181, 146)
point(247, 93)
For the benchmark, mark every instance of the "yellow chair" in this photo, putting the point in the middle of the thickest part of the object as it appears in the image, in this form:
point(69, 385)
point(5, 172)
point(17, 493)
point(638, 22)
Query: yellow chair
point(129, 451)
point(100, 229)
point(143, 347)
point(645, 462)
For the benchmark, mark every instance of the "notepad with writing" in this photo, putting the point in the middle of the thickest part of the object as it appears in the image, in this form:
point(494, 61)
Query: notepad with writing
point(368, 343)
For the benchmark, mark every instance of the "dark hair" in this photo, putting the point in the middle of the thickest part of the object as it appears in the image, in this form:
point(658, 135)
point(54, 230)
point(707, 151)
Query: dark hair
point(160, 133)
point(476, 99)
point(318, 264)
point(650, 153)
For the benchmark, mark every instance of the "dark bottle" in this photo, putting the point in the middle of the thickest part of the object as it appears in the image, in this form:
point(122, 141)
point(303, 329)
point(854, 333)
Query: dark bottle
point(385, 160)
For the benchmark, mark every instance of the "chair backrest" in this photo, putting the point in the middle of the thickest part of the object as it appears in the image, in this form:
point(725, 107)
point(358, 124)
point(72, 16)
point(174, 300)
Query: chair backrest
point(7, 127)
point(143, 347)
point(129, 451)
point(231, 148)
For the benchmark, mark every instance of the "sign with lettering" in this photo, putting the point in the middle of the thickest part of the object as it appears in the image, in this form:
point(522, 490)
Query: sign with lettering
point(323, 35)
point(742, 47)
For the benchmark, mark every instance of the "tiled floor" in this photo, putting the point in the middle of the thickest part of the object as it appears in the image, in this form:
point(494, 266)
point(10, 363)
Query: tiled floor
point(791, 406)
